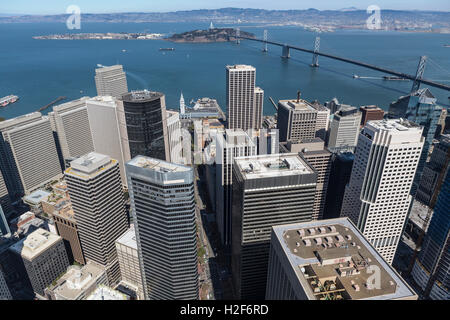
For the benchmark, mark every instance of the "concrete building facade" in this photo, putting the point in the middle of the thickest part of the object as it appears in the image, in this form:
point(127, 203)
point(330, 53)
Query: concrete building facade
point(344, 128)
point(43, 256)
point(111, 81)
point(268, 190)
point(163, 210)
point(96, 194)
point(377, 198)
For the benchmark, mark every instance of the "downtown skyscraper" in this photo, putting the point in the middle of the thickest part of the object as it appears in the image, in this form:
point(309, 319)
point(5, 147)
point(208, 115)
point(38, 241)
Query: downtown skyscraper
point(95, 190)
point(244, 100)
point(111, 81)
point(163, 210)
point(377, 198)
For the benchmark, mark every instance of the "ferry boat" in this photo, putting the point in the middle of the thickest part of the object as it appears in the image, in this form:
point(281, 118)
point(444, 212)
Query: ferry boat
point(394, 78)
point(166, 49)
point(7, 100)
point(447, 45)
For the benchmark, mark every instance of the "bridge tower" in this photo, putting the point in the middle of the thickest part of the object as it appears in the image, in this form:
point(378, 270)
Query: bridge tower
point(265, 41)
point(286, 54)
point(419, 73)
point(315, 59)
point(238, 35)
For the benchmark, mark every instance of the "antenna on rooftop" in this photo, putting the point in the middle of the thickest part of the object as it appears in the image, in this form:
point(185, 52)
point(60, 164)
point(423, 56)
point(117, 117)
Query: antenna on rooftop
point(298, 96)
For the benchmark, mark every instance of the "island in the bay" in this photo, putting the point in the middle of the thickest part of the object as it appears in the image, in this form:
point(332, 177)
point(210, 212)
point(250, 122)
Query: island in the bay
point(210, 35)
point(102, 36)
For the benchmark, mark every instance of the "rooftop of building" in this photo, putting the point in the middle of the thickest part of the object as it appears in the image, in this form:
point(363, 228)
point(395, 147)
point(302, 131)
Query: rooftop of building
point(35, 243)
point(141, 96)
point(418, 214)
point(297, 105)
point(237, 137)
point(108, 68)
point(71, 104)
point(77, 280)
point(157, 165)
point(273, 165)
point(106, 293)
point(394, 125)
point(241, 67)
point(104, 100)
point(90, 165)
point(346, 110)
point(333, 260)
point(371, 108)
point(36, 197)
point(128, 238)
point(17, 121)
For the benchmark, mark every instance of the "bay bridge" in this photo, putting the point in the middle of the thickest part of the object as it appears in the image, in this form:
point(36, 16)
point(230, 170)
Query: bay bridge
point(286, 48)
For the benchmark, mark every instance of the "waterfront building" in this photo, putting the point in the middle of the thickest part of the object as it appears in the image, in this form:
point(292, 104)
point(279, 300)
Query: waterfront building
point(70, 123)
point(329, 260)
point(163, 210)
point(95, 190)
point(7, 160)
point(146, 121)
point(43, 258)
point(111, 81)
point(244, 100)
point(268, 190)
point(5, 201)
point(419, 107)
point(377, 198)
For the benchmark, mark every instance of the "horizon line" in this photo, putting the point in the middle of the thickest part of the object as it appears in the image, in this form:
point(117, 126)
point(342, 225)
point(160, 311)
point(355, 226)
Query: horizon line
point(221, 8)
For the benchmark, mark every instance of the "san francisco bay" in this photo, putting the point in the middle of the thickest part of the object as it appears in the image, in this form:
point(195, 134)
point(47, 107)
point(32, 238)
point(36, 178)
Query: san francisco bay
point(39, 71)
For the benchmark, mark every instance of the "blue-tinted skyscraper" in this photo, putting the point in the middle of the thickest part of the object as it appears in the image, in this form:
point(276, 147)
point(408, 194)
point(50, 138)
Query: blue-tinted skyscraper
point(419, 107)
point(434, 258)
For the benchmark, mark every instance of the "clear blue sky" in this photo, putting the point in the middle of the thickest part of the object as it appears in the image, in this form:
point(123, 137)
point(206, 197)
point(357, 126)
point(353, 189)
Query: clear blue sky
point(96, 6)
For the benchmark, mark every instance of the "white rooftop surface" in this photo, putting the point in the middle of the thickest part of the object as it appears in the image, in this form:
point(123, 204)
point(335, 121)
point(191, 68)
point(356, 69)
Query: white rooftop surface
point(128, 238)
point(110, 68)
point(77, 279)
point(157, 165)
point(297, 105)
point(263, 166)
point(35, 243)
point(106, 293)
point(237, 138)
point(37, 196)
point(395, 125)
point(241, 67)
point(403, 290)
point(90, 163)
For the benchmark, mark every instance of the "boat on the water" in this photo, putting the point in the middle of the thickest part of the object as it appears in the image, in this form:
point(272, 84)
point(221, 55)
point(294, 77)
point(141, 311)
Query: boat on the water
point(166, 49)
point(394, 78)
point(447, 45)
point(8, 100)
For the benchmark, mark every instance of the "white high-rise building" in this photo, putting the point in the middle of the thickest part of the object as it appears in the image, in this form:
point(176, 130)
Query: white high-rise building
point(244, 100)
point(344, 128)
point(235, 143)
point(109, 134)
point(377, 198)
point(95, 190)
point(70, 121)
point(163, 209)
point(111, 81)
point(175, 137)
point(34, 152)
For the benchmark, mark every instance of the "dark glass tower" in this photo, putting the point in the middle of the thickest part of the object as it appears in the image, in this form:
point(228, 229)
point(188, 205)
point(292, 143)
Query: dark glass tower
point(146, 121)
point(419, 107)
point(431, 270)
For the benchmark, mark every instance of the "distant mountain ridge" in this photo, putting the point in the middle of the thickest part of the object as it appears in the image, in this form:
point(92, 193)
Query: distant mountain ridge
point(344, 18)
